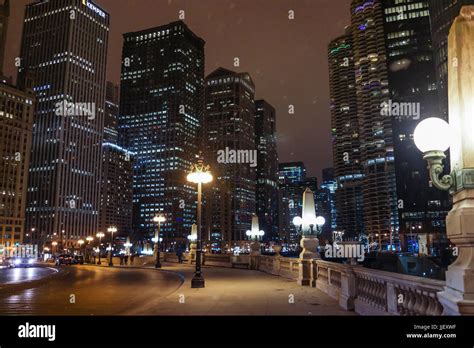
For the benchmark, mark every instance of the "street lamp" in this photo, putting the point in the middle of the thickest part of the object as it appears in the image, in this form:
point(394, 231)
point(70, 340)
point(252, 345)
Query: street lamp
point(306, 223)
point(433, 137)
point(111, 230)
point(158, 220)
point(99, 235)
point(54, 244)
point(199, 175)
point(89, 240)
point(80, 242)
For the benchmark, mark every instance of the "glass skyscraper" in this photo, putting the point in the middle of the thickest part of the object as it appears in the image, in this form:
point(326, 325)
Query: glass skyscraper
point(64, 47)
point(161, 114)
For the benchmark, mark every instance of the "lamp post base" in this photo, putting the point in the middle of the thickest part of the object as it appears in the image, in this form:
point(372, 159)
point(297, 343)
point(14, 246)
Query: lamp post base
point(158, 264)
point(197, 282)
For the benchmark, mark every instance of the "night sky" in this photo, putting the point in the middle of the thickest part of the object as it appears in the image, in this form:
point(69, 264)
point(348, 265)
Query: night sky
point(287, 59)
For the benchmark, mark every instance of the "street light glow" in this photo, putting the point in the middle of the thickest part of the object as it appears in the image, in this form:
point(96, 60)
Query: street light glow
point(160, 219)
point(433, 134)
point(297, 221)
point(200, 177)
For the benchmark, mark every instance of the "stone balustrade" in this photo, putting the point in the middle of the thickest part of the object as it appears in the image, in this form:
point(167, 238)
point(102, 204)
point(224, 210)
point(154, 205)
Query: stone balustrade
point(366, 291)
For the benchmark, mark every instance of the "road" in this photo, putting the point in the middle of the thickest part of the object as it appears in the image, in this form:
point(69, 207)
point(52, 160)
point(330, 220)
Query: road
point(93, 290)
point(20, 275)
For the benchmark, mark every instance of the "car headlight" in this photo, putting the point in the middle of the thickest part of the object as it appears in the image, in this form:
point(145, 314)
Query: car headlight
point(31, 261)
point(17, 261)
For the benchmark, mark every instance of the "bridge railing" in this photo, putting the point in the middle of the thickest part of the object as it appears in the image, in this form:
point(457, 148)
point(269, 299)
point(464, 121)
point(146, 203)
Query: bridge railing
point(366, 291)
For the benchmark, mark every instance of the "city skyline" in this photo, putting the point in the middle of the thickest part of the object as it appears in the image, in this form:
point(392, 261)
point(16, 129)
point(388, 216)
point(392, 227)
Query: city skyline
point(255, 48)
point(198, 183)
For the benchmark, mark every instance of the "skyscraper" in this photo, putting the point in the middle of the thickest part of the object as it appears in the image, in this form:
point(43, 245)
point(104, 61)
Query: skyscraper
point(375, 129)
point(161, 114)
point(443, 13)
point(292, 183)
point(116, 190)
point(16, 123)
point(347, 163)
point(326, 201)
point(291, 172)
point(64, 46)
point(112, 96)
point(230, 149)
point(267, 169)
point(412, 84)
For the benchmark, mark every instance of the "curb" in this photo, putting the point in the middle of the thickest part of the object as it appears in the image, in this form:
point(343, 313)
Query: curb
point(180, 275)
point(59, 272)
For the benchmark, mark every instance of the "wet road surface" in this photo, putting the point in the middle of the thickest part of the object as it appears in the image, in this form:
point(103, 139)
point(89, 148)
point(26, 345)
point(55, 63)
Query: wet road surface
point(19, 275)
point(93, 290)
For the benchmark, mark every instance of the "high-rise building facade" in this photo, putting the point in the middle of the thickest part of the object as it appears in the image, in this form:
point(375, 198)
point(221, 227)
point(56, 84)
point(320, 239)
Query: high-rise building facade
point(64, 46)
point(422, 208)
point(292, 183)
point(326, 201)
point(380, 210)
point(16, 123)
point(230, 149)
point(116, 189)
point(267, 169)
point(443, 13)
point(291, 172)
point(348, 169)
point(161, 114)
point(112, 96)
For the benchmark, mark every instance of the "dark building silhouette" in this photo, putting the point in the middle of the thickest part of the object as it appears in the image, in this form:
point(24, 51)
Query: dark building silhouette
point(267, 169)
point(443, 13)
point(64, 46)
point(412, 82)
point(161, 115)
point(230, 148)
point(348, 169)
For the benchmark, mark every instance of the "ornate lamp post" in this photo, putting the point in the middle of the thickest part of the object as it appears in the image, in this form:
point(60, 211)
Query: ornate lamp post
point(433, 137)
point(309, 225)
point(111, 230)
point(99, 235)
point(81, 243)
point(199, 175)
point(158, 220)
point(88, 253)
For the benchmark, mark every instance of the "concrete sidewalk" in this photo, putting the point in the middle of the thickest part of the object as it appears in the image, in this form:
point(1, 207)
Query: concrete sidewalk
point(241, 292)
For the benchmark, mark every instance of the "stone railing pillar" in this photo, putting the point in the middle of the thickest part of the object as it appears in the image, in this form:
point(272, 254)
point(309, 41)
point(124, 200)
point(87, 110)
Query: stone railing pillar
point(254, 254)
point(348, 289)
point(309, 253)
